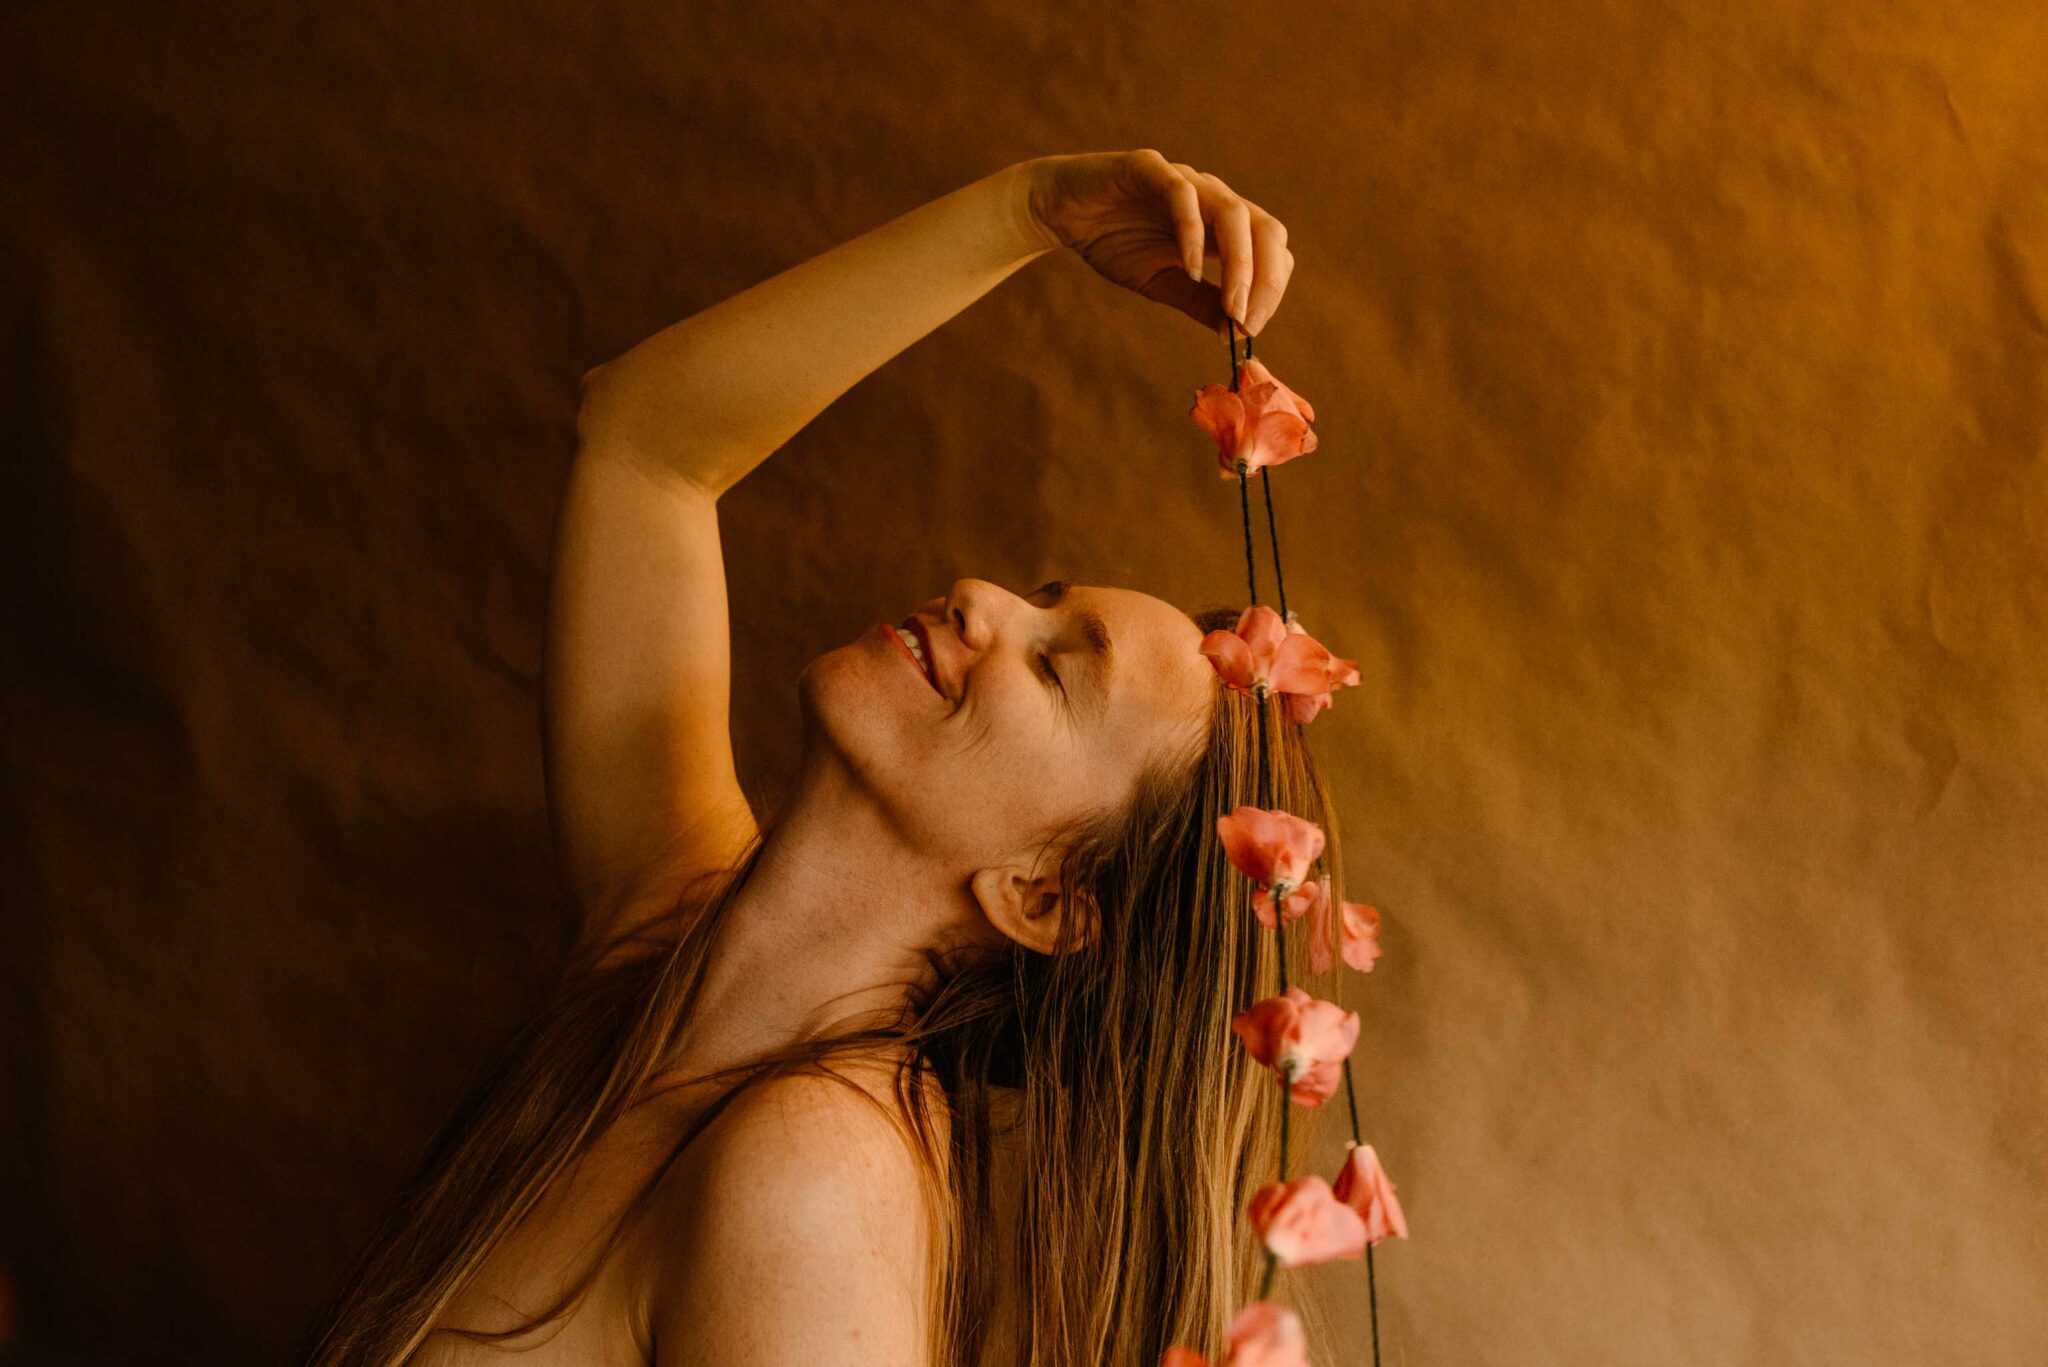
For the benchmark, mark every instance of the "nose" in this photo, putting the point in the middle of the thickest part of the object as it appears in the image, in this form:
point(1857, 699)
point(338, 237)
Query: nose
point(973, 608)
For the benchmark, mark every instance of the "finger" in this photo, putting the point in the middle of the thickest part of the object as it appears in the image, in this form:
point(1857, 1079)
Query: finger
point(1182, 204)
point(1230, 219)
point(1275, 268)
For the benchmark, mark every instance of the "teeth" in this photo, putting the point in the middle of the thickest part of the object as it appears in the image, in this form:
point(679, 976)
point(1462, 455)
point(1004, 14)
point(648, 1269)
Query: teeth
point(910, 641)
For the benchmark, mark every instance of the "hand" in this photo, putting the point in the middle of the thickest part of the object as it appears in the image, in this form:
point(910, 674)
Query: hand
point(1149, 224)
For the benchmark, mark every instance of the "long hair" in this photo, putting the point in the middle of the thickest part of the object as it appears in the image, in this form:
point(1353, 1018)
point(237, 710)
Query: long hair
point(1142, 1125)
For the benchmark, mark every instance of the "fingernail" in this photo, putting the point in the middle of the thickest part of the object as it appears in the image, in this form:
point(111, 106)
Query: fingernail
point(1237, 306)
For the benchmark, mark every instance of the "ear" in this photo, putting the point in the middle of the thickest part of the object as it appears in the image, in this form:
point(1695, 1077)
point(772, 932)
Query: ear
point(1028, 909)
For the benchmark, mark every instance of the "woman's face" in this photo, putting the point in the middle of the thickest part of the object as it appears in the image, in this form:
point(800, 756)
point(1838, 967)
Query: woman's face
point(1039, 709)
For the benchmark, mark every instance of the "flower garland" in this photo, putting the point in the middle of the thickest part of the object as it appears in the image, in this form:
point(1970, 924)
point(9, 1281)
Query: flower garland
point(1306, 1041)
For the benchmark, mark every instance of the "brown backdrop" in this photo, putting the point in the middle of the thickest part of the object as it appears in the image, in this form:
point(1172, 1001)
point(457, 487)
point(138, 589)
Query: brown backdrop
point(1682, 377)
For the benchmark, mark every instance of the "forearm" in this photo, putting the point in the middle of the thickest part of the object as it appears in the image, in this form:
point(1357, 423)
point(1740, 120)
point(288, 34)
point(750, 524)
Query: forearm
point(714, 395)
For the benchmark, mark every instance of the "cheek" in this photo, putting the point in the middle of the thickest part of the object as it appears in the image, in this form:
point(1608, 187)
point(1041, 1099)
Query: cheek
point(863, 702)
point(1008, 758)
point(1024, 725)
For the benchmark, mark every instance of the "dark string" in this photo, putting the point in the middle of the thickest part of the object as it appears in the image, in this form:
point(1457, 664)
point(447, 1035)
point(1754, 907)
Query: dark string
point(1273, 537)
point(1372, 1295)
point(1265, 487)
point(1251, 571)
point(1265, 790)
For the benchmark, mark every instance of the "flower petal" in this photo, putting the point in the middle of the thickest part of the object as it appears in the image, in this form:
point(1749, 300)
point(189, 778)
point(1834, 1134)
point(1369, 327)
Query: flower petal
point(1219, 412)
point(1263, 422)
point(1364, 1186)
point(1303, 1223)
point(1268, 845)
point(1263, 633)
point(1299, 903)
point(1303, 1039)
point(1361, 935)
point(1267, 1334)
point(1303, 707)
point(1302, 664)
point(1274, 438)
point(1323, 1032)
point(1231, 657)
point(1317, 1083)
point(1261, 374)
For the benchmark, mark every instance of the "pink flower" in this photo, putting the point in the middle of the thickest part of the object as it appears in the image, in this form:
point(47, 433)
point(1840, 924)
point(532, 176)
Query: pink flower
point(1360, 928)
point(1303, 1039)
point(1361, 935)
point(1263, 423)
point(1264, 1334)
point(1303, 1222)
point(1270, 846)
point(1303, 706)
point(1364, 1186)
point(1303, 901)
point(1261, 653)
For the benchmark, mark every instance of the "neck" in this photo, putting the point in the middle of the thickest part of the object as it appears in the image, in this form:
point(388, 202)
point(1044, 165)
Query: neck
point(829, 931)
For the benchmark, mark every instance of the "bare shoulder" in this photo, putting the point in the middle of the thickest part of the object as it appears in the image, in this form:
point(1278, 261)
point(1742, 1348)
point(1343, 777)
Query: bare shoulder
point(796, 1232)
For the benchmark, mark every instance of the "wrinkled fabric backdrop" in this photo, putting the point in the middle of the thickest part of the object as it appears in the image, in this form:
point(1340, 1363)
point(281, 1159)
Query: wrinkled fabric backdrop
point(1682, 381)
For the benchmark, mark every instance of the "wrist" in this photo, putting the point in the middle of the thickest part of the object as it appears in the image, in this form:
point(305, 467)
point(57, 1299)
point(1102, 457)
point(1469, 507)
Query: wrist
point(1018, 185)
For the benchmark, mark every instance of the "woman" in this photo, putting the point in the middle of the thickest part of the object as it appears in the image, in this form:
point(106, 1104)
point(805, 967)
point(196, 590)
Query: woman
point(936, 1067)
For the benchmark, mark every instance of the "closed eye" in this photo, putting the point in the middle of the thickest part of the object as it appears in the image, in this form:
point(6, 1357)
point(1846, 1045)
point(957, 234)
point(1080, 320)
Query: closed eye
point(1045, 664)
point(1058, 589)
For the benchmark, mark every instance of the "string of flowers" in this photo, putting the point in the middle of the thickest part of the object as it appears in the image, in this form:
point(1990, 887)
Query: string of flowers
point(1305, 1040)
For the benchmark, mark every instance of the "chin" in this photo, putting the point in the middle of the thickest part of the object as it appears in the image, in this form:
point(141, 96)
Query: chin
point(867, 716)
point(852, 711)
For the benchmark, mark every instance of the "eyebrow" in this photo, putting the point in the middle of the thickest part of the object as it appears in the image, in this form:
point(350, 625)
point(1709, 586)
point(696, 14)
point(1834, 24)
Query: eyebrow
point(1101, 650)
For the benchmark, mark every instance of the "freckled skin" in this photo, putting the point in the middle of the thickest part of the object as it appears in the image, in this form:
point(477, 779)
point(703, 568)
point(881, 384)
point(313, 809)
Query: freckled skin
point(973, 781)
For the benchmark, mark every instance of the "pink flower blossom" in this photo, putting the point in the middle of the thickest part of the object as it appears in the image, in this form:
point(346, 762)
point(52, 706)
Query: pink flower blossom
point(1303, 1039)
point(1303, 901)
point(1303, 706)
point(1364, 1186)
point(1359, 926)
point(1361, 935)
point(1263, 653)
point(1304, 1223)
point(1270, 846)
point(1263, 423)
point(1264, 1334)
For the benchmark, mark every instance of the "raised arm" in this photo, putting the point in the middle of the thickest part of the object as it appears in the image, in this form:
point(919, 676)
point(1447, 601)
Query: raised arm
point(642, 791)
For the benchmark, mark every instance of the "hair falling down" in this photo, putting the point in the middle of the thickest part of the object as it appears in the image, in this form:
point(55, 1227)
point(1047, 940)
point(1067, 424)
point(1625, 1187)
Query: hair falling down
point(1079, 1067)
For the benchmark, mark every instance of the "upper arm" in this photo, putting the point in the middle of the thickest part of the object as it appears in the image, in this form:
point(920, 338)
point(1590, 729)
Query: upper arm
point(801, 1239)
point(642, 790)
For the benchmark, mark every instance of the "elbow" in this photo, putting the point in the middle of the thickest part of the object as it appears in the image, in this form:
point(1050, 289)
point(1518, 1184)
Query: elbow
point(617, 419)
